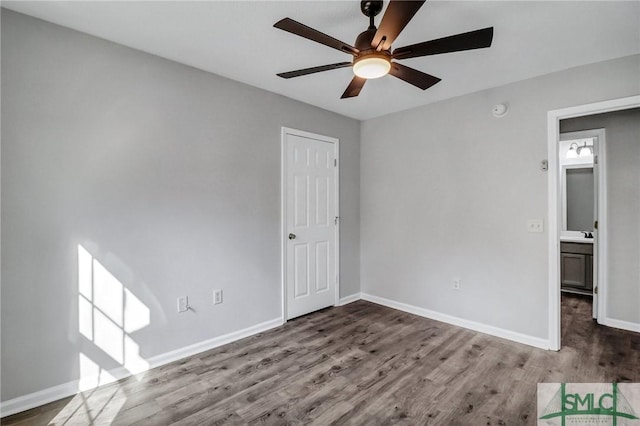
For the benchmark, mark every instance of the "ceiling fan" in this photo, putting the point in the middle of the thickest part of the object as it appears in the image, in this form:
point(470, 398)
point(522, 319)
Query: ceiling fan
point(372, 55)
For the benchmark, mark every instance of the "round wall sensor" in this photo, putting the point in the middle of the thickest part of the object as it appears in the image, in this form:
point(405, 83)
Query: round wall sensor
point(500, 110)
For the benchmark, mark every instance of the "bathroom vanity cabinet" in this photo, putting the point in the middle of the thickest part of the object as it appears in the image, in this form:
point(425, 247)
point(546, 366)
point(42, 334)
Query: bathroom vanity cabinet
point(576, 266)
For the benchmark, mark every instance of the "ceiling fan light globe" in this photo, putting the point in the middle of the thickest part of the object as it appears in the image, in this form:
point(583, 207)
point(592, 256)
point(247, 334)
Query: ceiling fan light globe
point(369, 68)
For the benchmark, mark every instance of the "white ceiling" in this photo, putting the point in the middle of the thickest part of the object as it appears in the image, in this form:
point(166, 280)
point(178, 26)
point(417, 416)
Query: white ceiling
point(236, 39)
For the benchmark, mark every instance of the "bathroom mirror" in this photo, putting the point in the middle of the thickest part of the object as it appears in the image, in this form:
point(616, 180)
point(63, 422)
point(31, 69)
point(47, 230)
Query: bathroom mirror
point(578, 198)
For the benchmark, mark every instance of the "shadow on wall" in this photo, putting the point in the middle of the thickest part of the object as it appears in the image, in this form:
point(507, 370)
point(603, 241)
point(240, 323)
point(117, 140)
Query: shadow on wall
point(108, 314)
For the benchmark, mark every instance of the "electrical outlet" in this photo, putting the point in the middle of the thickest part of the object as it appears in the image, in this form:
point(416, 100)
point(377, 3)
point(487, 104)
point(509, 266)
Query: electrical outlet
point(456, 284)
point(535, 225)
point(217, 297)
point(183, 304)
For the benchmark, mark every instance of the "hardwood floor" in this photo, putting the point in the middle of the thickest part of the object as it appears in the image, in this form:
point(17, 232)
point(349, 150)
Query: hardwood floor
point(358, 364)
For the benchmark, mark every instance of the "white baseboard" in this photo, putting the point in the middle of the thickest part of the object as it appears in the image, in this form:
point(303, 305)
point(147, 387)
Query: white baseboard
point(206, 345)
point(460, 322)
point(350, 299)
point(623, 325)
point(35, 399)
point(45, 396)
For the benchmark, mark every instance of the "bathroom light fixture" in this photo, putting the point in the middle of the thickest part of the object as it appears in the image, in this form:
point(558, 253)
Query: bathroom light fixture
point(577, 151)
point(585, 151)
point(573, 151)
point(372, 66)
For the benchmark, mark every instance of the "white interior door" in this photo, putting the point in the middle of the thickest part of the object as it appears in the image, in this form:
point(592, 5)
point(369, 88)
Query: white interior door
point(310, 222)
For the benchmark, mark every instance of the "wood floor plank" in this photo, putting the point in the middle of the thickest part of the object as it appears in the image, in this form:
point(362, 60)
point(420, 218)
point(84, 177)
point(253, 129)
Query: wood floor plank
point(357, 364)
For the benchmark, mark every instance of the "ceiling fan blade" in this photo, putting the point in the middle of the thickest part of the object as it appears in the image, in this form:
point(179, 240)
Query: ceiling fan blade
point(466, 41)
point(413, 76)
point(294, 27)
point(396, 17)
point(354, 87)
point(313, 70)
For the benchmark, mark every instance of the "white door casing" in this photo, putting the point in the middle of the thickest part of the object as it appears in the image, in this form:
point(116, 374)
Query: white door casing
point(600, 204)
point(310, 222)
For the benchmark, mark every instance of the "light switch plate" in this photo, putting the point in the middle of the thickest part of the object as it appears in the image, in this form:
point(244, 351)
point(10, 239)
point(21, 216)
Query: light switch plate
point(183, 304)
point(217, 297)
point(535, 225)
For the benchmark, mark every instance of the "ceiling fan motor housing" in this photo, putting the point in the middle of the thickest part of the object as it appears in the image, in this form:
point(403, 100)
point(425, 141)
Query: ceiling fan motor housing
point(363, 44)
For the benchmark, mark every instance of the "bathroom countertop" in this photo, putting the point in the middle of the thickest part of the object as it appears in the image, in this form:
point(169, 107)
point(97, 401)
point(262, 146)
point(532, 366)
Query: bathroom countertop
point(576, 240)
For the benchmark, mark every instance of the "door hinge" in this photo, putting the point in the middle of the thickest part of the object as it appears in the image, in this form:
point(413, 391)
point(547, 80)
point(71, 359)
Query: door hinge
point(595, 290)
point(595, 159)
point(595, 225)
point(335, 220)
point(335, 162)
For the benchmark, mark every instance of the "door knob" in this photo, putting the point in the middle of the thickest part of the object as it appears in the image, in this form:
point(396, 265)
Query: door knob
point(292, 236)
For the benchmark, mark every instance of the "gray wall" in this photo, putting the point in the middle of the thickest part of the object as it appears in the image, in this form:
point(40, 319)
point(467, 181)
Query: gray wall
point(447, 189)
point(623, 207)
point(167, 175)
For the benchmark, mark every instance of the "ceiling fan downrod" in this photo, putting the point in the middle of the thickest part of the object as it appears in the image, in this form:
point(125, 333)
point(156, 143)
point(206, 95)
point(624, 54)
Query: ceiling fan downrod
point(371, 8)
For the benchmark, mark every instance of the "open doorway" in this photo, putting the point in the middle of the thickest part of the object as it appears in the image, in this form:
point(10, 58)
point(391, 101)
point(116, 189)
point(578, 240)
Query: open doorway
point(608, 282)
point(582, 189)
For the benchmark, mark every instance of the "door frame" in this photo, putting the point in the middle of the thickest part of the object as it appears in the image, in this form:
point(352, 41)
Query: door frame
point(283, 210)
point(600, 212)
point(553, 212)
